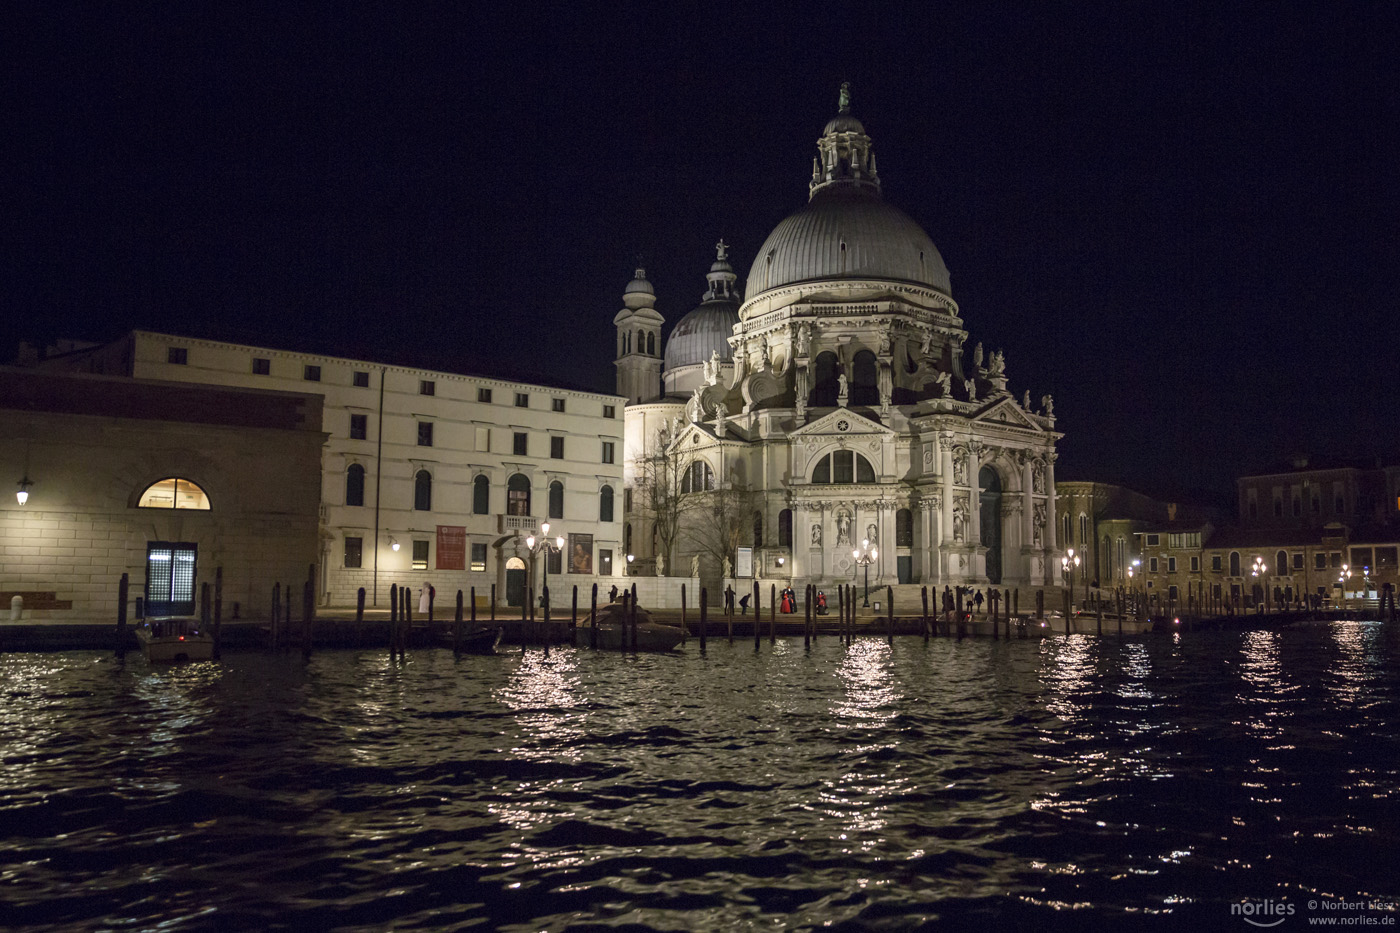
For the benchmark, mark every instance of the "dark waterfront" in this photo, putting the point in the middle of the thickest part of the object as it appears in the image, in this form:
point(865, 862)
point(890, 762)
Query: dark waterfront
point(1075, 782)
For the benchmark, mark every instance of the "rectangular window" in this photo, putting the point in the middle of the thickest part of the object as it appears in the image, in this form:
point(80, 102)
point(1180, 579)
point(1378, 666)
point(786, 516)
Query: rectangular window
point(483, 440)
point(1298, 561)
point(521, 446)
point(1336, 560)
point(425, 434)
point(1171, 593)
point(1360, 558)
point(483, 395)
point(627, 499)
point(1215, 591)
point(555, 561)
point(556, 448)
point(556, 404)
point(1171, 565)
point(1195, 565)
point(609, 411)
point(420, 555)
point(427, 387)
point(1215, 564)
point(522, 400)
point(262, 366)
point(359, 427)
point(353, 548)
point(1152, 565)
point(1319, 561)
point(177, 355)
point(360, 379)
point(478, 556)
point(311, 373)
point(1154, 540)
point(607, 451)
point(605, 562)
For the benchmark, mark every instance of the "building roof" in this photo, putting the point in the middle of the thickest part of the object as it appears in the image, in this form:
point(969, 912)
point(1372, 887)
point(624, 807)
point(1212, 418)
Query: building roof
point(702, 332)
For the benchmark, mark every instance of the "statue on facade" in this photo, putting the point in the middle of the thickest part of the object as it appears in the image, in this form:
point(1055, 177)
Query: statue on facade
point(803, 341)
point(1048, 403)
point(871, 533)
point(763, 349)
point(926, 344)
point(661, 565)
point(676, 425)
point(727, 568)
point(843, 391)
point(998, 366)
point(960, 467)
point(885, 343)
point(816, 535)
point(712, 369)
point(1038, 478)
point(977, 355)
point(945, 382)
point(843, 527)
point(695, 565)
point(1026, 401)
point(959, 522)
point(971, 386)
point(1038, 524)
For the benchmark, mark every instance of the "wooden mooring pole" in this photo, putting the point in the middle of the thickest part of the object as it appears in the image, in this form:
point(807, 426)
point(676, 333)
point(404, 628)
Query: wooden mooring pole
point(704, 607)
point(123, 587)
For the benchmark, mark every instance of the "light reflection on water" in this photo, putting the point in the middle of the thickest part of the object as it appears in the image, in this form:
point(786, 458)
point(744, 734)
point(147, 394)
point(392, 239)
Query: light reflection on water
point(871, 786)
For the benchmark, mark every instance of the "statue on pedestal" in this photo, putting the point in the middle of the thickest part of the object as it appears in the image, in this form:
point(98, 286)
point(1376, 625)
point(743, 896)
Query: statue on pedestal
point(695, 566)
point(661, 565)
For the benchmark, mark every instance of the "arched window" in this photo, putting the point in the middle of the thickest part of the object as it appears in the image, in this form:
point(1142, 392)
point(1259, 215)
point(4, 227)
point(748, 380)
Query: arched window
point(1234, 563)
point(1281, 563)
point(518, 495)
point(423, 491)
point(651, 344)
point(627, 538)
point(904, 528)
point(173, 493)
point(481, 495)
point(1066, 540)
point(605, 504)
point(1107, 558)
point(556, 499)
point(355, 485)
point(864, 389)
point(699, 478)
point(825, 385)
point(641, 341)
point(843, 466)
point(785, 528)
point(1084, 534)
point(758, 529)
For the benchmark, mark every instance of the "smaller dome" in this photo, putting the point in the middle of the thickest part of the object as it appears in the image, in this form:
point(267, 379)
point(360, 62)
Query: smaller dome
point(843, 123)
point(701, 333)
point(639, 284)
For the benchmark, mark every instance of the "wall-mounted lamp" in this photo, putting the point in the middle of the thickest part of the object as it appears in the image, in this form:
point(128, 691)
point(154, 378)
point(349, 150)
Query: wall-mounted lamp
point(393, 544)
point(24, 484)
point(781, 561)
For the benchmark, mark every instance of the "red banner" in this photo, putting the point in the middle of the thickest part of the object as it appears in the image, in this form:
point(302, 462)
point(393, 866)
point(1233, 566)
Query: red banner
point(451, 547)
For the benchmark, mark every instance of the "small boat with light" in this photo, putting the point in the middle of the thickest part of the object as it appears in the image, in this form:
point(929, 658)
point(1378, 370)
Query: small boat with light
point(614, 631)
point(168, 640)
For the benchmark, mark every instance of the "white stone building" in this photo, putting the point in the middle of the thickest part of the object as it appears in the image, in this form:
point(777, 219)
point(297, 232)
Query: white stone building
point(429, 477)
point(841, 394)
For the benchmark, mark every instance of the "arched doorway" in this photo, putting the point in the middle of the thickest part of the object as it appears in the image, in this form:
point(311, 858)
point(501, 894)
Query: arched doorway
point(515, 582)
point(990, 517)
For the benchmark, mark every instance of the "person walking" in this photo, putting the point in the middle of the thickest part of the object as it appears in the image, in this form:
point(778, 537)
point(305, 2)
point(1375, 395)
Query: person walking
point(977, 598)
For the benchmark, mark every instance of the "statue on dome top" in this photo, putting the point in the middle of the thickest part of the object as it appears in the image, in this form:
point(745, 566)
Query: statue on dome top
point(722, 250)
point(845, 105)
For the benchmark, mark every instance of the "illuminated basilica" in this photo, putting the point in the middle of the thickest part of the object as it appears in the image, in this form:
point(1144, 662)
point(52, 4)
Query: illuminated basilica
point(832, 403)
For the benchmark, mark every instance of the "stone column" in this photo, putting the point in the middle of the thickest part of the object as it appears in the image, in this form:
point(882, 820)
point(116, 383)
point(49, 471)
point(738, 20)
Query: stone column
point(974, 499)
point(945, 444)
point(1052, 521)
point(889, 570)
point(1027, 510)
point(801, 541)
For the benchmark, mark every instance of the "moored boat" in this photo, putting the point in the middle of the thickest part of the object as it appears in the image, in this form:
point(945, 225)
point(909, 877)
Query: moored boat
point(166, 640)
point(477, 641)
point(614, 631)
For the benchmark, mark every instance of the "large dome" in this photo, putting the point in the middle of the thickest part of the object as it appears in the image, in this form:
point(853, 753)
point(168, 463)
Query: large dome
point(847, 233)
point(701, 333)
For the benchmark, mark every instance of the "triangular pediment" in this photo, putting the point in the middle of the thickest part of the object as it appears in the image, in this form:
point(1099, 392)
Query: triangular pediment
point(699, 434)
point(840, 422)
point(1006, 412)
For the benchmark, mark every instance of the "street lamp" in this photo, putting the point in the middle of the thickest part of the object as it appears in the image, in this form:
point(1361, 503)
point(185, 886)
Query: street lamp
point(865, 556)
point(630, 558)
point(24, 484)
point(1069, 563)
point(546, 546)
point(1261, 571)
point(1342, 582)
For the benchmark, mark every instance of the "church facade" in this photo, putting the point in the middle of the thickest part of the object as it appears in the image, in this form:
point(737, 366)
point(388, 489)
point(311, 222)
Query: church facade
point(836, 410)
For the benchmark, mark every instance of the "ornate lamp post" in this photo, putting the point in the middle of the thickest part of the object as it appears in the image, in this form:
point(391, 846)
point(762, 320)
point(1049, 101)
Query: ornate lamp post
point(865, 556)
point(1261, 571)
point(1342, 582)
point(546, 546)
point(1069, 563)
point(1132, 589)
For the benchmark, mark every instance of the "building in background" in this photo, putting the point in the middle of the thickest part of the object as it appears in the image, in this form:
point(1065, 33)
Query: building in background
point(427, 478)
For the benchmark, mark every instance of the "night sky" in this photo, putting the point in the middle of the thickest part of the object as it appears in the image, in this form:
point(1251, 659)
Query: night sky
point(1179, 218)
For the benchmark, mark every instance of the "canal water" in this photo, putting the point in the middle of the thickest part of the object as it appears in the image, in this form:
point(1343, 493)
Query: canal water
point(1073, 783)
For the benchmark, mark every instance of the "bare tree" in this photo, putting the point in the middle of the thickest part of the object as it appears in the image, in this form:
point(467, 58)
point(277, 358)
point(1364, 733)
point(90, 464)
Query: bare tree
point(717, 526)
point(660, 494)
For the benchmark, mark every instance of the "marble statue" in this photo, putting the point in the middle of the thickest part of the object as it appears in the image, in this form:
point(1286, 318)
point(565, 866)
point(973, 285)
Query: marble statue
point(1048, 404)
point(1038, 480)
point(971, 386)
point(977, 355)
point(727, 568)
point(843, 527)
point(960, 468)
point(871, 533)
point(695, 565)
point(661, 565)
point(816, 536)
point(843, 391)
point(945, 382)
point(998, 366)
point(884, 343)
point(804, 338)
point(959, 521)
point(1026, 401)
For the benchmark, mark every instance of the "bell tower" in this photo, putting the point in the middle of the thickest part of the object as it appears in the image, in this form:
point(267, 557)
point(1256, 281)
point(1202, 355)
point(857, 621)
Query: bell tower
point(639, 342)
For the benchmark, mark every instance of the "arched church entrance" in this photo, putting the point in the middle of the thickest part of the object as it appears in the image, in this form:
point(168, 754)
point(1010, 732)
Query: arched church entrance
point(990, 517)
point(515, 582)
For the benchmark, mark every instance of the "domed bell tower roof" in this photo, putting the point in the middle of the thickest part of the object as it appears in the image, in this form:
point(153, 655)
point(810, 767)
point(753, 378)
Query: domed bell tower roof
point(706, 330)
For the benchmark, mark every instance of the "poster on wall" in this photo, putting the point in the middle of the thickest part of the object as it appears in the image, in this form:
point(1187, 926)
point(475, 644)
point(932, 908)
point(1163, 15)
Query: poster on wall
point(451, 547)
point(743, 562)
point(580, 553)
